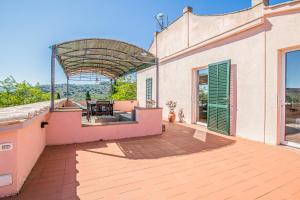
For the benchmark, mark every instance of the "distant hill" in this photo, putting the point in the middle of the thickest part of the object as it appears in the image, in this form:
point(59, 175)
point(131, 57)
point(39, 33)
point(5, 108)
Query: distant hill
point(77, 92)
point(292, 95)
point(293, 90)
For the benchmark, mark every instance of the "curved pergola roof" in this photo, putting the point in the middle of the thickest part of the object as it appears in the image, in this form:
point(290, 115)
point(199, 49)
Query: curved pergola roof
point(87, 58)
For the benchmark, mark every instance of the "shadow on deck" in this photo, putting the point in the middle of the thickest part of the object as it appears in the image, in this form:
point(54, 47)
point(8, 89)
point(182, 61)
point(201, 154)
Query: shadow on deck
point(62, 169)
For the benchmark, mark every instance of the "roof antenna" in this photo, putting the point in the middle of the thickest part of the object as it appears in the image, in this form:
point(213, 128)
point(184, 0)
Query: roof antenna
point(161, 18)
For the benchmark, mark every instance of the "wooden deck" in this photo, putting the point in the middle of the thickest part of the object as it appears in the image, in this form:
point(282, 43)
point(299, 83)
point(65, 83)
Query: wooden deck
point(183, 163)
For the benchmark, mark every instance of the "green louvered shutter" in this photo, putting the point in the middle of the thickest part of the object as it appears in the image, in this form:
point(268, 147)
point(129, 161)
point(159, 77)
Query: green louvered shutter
point(218, 116)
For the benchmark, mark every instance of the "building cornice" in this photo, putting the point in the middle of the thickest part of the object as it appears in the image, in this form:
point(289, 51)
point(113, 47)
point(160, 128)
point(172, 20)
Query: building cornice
point(268, 11)
point(237, 30)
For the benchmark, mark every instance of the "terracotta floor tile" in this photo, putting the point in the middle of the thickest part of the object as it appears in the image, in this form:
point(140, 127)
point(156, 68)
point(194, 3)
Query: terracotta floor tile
point(184, 162)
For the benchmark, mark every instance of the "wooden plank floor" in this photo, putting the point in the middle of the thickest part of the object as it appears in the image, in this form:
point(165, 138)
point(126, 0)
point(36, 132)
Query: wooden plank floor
point(183, 163)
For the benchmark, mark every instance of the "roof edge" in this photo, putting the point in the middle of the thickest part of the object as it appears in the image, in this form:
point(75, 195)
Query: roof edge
point(108, 39)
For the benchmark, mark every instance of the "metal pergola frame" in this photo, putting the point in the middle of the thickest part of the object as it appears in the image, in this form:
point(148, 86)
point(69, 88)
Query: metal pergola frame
point(88, 58)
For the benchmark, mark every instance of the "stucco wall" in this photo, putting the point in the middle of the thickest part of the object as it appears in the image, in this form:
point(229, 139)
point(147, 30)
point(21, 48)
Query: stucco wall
point(65, 127)
point(176, 79)
point(141, 85)
point(176, 83)
point(283, 34)
point(10, 160)
point(191, 29)
point(177, 32)
point(28, 141)
point(31, 143)
point(126, 105)
point(253, 48)
point(202, 28)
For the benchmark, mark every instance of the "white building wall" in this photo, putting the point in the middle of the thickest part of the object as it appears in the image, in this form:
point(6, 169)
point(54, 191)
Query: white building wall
point(253, 53)
point(282, 33)
point(176, 80)
point(141, 84)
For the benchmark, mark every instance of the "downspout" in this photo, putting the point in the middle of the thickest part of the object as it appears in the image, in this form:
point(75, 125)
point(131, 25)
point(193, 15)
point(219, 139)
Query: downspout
point(53, 56)
point(157, 71)
point(111, 89)
point(265, 79)
point(186, 11)
point(188, 29)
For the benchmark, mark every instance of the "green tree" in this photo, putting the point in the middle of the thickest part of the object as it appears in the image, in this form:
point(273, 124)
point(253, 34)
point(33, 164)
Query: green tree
point(87, 96)
point(8, 84)
point(124, 89)
point(14, 93)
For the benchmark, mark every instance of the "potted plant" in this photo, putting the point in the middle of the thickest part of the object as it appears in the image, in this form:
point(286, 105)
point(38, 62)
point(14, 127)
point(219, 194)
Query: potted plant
point(87, 96)
point(57, 95)
point(171, 105)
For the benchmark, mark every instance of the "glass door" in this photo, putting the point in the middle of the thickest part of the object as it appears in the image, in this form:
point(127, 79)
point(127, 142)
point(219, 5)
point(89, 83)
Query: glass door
point(292, 97)
point(202, 97)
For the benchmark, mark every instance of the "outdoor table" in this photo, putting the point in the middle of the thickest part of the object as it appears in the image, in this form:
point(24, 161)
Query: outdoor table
point(93, 105)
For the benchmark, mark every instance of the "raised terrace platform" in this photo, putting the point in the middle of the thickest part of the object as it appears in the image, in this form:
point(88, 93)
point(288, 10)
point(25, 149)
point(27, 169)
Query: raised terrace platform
point(26, 130)
point(183, 163)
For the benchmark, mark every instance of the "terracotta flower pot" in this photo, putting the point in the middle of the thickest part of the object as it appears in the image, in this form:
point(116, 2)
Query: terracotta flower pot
point(172, 117)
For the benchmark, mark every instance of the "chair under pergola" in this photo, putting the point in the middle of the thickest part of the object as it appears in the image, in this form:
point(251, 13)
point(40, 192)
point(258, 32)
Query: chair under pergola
point(86, 59)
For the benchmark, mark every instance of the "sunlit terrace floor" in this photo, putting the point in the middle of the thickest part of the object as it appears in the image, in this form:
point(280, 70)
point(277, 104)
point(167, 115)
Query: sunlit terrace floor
point(183, 163)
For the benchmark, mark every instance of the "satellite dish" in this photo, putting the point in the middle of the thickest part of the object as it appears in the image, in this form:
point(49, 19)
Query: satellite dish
point(160, 18)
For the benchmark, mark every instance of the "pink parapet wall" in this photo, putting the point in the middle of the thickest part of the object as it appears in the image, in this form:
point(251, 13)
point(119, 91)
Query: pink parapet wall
point(120, 105)
point(125, 106)
point(10, 160)
point(28, 138)
point(28, 142)
point(65, 127)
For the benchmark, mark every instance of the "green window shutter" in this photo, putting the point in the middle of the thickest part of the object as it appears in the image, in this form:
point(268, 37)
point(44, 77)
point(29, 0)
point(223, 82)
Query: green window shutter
point(149, 89)
point(218, 116)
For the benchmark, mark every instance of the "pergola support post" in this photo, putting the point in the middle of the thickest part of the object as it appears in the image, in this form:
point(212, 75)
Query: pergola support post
point(157, 83)
point(53, 55)
point(68, 88)
point(111, 88)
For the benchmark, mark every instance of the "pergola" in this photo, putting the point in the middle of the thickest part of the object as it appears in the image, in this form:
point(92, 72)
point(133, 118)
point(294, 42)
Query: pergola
point(85, 59)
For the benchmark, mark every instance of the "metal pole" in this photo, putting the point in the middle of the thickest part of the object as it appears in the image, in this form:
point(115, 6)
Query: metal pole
point(157, 70)
point(111, 88)
point(53, 55)
point(157, 83)
point(136, 89)
point(68, 88)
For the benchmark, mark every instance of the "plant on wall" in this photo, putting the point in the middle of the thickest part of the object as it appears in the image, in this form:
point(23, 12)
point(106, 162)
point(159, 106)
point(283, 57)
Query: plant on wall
point(181, 115)
point(150, 103)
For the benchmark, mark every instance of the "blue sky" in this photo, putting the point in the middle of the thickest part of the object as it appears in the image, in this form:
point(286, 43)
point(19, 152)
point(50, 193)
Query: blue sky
point(293, 69)
point(29, 27)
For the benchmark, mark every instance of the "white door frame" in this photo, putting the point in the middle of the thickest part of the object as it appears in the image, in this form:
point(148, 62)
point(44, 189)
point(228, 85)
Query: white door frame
point(195, 85)
point(195, 94)
point(282, 99)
